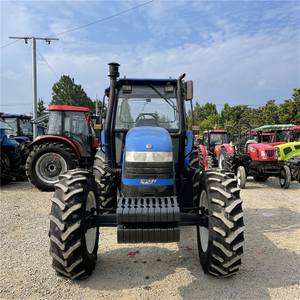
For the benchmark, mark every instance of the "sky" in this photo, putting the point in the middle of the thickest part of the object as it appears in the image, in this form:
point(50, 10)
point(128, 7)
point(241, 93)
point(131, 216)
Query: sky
point(236, 52)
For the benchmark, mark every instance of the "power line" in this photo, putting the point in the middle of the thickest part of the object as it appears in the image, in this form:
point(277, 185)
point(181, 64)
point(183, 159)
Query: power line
point(101, 20)
point(98, 21)
point(46, 62)
point(18, 104)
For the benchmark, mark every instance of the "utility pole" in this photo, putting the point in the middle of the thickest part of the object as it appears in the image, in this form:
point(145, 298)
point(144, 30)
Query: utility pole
point(34, 77)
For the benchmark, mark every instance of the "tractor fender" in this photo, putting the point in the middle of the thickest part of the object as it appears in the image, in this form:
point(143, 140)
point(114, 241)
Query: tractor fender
point(58, 139)
point(228, 147)
point(203, 150)
point(8, 142)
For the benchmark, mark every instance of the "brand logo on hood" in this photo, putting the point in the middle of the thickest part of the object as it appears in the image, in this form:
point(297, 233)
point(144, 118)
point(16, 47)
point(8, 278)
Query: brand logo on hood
point(149, 146)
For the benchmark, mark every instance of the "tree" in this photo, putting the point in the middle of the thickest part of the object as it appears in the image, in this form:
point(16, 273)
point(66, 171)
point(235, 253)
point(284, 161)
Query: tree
point(41, 109)
point(225, 113)
point(67, 92)
point(289, 110)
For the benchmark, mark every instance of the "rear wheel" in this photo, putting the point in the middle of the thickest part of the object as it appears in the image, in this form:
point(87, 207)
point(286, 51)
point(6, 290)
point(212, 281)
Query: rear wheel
point(10, 164)
point(241, 177)
point(45, 163)
point(221, 244)
point(106, 183)
point(73, 247)
point(285, 177)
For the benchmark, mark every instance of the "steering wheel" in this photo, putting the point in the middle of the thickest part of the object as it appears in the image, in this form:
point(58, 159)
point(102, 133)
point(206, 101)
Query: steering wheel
point(142, 116)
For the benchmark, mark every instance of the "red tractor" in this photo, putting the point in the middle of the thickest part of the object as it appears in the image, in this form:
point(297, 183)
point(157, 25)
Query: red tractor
point(249, 158)
point(70, 143)
point(210, 146)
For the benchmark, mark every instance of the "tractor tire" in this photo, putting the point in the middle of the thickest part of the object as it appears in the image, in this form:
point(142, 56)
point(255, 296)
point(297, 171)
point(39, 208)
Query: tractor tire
point(294, 164)
point(285, 177)
point(106, 183)
point(45, 163)
point(241, 177)
point(220, 245)
point(10, 164)
point(194, 164)
point(72, 246)
point(24, 152)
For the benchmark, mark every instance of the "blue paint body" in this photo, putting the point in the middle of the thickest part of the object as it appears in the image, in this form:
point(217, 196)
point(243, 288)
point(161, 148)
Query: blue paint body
point(188, 147)
point(136, 140)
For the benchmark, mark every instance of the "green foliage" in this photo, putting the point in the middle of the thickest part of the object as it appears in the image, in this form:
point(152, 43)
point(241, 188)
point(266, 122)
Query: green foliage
point(289, 110)
point(41, 109)
point(206, 116)
point(67, 92)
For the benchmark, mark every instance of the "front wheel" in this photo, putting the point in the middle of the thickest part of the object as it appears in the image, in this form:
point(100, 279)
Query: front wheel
point(73, 247)
point(45, 163)
point(241, 177)
point(285, 177)
point(220, 245)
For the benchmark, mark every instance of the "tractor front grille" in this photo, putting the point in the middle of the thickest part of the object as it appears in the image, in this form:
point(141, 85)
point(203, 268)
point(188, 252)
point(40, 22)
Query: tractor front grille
point(148, 170)
point(270, 153)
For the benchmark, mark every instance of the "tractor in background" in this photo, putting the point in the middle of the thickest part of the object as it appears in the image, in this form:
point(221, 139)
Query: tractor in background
point(289, 155)
point(22, 132)
point(250, 158)
point(209, 149)
point(146, 182)
point(10, 157)
point(70, 142)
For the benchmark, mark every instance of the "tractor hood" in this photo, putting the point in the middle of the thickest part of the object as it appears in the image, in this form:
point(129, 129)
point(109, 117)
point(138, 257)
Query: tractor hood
point(148, 138)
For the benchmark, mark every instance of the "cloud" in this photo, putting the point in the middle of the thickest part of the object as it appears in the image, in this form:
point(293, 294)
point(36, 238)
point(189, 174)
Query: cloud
point(233, 51)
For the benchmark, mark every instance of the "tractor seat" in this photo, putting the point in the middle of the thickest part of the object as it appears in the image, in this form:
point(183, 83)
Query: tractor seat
point(146, 122)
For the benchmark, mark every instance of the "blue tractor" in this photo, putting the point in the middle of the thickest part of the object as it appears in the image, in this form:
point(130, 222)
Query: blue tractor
point(22, 132)
point(147, 182)
point(10, 158)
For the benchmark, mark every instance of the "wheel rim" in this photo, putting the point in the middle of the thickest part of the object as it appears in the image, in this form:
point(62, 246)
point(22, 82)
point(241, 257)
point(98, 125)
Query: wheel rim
point(204, 234)
point(282, 177)
point(221, 162)
point(49, 166)
point(91, 234)
point(238, 177)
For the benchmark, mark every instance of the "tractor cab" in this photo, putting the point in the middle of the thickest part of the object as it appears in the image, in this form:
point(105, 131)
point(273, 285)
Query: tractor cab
point(290, 134)
point(74, 124)
point(212, 138)
point(272, 134)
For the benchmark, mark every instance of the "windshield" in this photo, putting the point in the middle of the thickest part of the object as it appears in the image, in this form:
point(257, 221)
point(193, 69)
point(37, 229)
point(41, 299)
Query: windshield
point(218, 138)
point(13, 124)
point(25, 127)
point(296, 136)
point(147, 106)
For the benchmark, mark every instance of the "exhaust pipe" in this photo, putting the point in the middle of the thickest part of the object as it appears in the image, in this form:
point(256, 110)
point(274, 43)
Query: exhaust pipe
point(113, 73)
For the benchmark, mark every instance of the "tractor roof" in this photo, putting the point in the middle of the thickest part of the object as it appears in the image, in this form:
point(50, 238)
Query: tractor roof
point(275, 127)
point(215, 131)
point(15, 116)
point(295, 128)
point(138, 81)
point(68, 108)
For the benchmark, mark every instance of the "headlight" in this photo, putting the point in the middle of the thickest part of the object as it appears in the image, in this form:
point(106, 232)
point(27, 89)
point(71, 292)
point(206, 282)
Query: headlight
point(141, 156)
point(277, 154)
point(263, 154)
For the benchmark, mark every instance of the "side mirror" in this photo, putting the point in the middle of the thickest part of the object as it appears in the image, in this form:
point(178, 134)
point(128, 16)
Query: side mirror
point(189, 90)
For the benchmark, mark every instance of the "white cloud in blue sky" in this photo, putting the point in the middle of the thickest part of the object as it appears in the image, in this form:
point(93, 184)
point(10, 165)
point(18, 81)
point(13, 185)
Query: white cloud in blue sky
point(236, 52)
